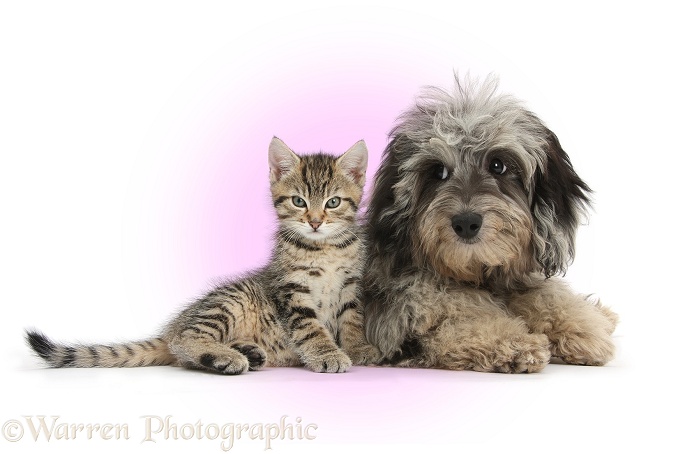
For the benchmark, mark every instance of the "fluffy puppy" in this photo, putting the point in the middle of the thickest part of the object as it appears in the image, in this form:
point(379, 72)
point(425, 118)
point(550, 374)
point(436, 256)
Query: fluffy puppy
point(473, 213)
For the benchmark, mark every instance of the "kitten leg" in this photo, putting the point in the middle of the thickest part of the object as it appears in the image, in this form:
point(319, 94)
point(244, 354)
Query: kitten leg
point(310, 339)
point(316, 348)
point(254, 353)
point(351, 336)
point(197, 352)
point(214, 333)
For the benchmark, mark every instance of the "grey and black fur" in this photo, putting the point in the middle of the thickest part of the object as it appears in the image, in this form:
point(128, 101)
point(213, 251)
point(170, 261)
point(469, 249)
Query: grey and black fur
point(302, 309)
point(474, 210)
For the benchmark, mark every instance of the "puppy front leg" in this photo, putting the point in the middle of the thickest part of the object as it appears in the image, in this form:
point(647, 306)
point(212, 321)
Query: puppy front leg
point(460, 329)
point(579, 330)
point(478, 334)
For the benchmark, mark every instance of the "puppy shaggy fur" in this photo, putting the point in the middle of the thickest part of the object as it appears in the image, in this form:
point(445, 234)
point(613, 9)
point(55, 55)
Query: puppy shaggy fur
point(473, 214)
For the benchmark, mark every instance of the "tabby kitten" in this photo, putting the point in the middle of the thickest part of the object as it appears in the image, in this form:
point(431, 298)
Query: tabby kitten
point(302, 308)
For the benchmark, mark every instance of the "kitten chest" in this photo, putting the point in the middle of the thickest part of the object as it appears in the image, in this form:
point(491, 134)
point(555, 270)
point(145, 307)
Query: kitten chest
point(335, 285)
point(332, 277)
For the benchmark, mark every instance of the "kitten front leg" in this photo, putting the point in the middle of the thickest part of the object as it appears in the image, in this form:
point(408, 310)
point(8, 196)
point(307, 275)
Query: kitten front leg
point(351, 336)
point(311, 340)
point(217, 333)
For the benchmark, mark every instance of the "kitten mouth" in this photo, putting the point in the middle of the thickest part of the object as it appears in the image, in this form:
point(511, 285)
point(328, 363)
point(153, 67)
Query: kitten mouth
point(316, 235)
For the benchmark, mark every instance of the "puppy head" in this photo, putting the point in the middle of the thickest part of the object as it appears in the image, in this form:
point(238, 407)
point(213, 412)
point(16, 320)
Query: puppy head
point(474, 185)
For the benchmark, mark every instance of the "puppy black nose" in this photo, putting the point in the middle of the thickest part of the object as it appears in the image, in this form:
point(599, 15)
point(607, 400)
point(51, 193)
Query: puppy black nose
point(467, 225)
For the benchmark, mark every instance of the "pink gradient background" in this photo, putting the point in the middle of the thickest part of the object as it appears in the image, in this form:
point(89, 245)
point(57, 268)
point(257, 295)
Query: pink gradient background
point(135, 175)
point(198, 196)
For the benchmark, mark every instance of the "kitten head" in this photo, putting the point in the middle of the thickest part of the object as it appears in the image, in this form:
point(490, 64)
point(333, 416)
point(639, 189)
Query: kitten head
point(317, 196)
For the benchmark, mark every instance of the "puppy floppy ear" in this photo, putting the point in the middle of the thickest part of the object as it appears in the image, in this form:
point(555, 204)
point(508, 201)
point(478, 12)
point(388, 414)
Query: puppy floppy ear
point(390, 207)
point(560, 197)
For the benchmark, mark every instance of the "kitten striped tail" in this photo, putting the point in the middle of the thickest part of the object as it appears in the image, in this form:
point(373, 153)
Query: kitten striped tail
point(150, 352)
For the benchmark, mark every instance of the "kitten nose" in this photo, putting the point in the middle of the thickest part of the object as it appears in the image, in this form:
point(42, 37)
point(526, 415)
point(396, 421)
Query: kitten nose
point(315, 224)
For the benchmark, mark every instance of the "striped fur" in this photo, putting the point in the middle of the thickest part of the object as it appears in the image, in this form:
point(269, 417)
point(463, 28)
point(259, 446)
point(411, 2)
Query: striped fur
point(302, 309)
point(151, 352)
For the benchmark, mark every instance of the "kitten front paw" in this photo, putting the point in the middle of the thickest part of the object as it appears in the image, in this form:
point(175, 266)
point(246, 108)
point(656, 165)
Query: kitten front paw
point(230, 363)
point(332, 362)
point(254, 354)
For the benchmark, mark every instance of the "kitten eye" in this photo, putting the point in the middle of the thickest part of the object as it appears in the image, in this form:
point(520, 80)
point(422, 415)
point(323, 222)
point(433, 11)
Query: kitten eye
point(497, 167)
point(333, 202)
point(440, 171)
point(299, 202)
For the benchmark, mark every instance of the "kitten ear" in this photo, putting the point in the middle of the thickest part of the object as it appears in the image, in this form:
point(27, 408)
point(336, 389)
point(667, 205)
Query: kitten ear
point(281, 159)
point(354, 162)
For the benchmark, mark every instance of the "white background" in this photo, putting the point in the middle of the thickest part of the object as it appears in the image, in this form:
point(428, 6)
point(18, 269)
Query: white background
point(103, 108)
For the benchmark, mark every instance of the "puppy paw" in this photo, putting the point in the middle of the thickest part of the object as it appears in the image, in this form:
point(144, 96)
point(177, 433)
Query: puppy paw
point(611, 317)
point(332, 362)
point(584, 348)
point(525, 354)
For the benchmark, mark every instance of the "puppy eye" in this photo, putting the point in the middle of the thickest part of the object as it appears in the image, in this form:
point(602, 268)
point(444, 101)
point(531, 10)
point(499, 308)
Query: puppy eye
point(440, 171)
point(297, 201)
point(333, 202)
point(497, 167)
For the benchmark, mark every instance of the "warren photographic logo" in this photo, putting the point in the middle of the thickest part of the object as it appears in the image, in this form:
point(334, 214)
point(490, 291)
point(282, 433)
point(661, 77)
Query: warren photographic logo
point(158, 429)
